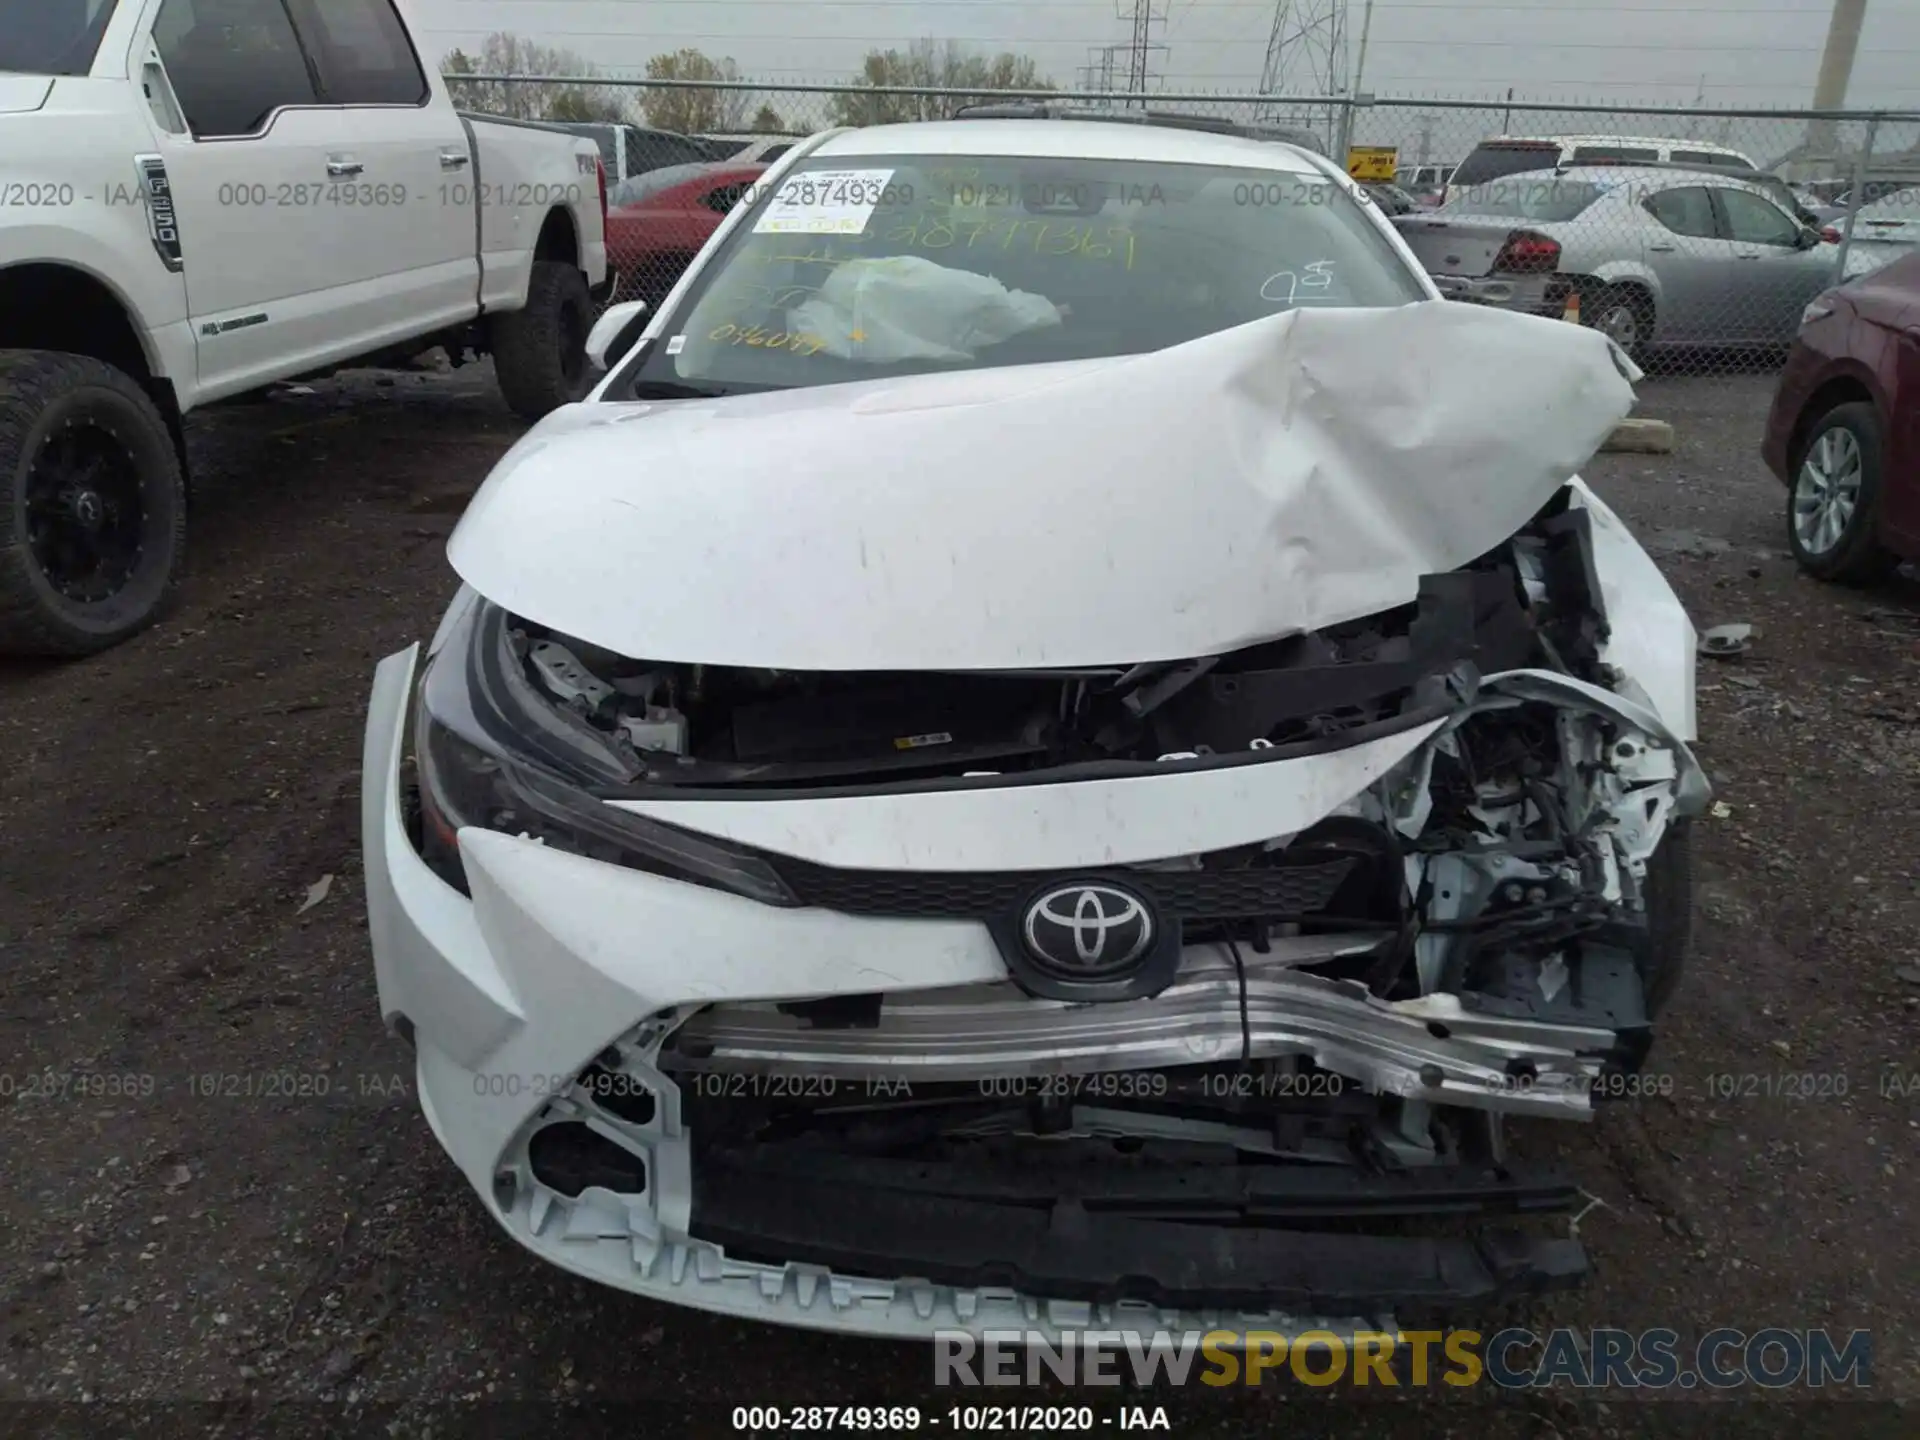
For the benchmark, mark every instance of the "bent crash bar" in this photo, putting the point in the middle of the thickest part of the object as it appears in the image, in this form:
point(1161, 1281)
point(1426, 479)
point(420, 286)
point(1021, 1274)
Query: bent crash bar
point(1430, 1048)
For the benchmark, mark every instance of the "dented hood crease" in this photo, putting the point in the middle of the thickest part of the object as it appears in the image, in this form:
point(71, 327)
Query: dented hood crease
point(1282, 476)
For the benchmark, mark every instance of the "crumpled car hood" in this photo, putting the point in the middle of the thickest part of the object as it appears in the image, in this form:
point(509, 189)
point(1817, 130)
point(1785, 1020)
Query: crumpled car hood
point(1282, 476)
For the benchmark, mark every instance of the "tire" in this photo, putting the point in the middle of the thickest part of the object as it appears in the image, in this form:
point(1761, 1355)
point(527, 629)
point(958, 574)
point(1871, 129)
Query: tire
point(1624, 315)
point(1669, 914)
point(1833, 498)
point(93, 506)
point(540, 352)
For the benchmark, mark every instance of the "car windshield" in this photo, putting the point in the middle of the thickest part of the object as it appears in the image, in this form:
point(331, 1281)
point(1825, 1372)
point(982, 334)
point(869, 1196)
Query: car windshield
point(51, 37)
point(1539, 196)
point(1715, 158)
point(1601, 154)
point(1493, 159)
point(864, 267)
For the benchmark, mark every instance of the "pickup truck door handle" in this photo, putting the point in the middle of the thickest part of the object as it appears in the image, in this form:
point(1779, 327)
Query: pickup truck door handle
point(452, 159)
point(1748, 254)
point(339, 167)
point(1661, 249)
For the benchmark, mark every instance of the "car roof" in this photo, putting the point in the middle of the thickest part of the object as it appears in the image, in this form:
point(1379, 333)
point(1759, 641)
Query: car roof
point(1069, 140)
point(1600, 174)
point(1685, 167)
point(1678, 141)
point(658, 181)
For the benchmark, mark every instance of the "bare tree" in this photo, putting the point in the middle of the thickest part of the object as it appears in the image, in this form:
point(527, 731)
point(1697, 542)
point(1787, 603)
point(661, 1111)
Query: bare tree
point(926, 65)
point(506, 54)
point(600, 103)
point(690, 110)
point(767, 121)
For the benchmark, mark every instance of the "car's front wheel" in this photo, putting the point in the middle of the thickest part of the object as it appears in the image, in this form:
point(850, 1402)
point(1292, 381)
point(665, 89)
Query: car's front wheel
point(93, 505)
point(1833, 502)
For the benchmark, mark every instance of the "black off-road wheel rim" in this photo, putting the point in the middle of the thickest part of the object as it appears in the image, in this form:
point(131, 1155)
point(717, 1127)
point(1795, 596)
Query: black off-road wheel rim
point(87, 512)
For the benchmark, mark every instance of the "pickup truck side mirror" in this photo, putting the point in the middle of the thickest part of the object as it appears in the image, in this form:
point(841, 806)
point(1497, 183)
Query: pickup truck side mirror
point(615, 333)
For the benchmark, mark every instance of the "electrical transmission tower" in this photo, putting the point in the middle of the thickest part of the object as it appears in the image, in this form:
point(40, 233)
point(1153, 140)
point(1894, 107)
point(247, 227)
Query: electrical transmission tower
point(1307, 50)
point(1097, 73)
point(1144, 15)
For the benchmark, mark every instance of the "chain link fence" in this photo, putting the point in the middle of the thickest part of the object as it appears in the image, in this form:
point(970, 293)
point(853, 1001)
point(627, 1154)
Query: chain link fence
point(1695, 238)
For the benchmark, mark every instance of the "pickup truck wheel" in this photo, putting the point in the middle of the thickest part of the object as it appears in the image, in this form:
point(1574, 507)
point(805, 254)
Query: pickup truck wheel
point(540, 352)
point(93, 505)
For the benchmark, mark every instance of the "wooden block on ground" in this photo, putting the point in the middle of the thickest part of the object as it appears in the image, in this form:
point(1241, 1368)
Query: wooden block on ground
point(1640, 437)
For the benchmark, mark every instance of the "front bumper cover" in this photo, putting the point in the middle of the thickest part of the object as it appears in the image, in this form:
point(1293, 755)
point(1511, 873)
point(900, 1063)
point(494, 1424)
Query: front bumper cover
point(512, 994)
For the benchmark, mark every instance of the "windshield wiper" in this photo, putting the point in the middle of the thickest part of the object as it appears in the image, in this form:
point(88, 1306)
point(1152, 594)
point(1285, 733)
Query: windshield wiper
point(676, 390)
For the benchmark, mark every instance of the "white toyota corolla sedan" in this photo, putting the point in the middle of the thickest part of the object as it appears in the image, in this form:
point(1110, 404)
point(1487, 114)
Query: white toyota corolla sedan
point(1057, 744)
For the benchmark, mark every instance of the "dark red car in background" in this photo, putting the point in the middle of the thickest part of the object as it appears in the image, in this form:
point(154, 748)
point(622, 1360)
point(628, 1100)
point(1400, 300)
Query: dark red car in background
point(657, 222)
point(1844, 433)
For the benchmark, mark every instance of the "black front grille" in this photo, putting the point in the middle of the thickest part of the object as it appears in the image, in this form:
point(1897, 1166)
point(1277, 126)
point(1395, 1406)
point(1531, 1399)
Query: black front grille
point(1245, 892)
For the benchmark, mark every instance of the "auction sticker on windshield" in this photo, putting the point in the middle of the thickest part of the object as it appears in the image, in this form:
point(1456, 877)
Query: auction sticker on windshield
point(825, 202)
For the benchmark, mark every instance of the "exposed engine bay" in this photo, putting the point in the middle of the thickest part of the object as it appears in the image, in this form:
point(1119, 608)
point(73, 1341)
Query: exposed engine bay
point(1533, 603)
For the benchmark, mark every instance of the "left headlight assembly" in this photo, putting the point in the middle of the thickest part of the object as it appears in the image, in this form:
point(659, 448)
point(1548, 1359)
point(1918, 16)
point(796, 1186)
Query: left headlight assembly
point(491, 752)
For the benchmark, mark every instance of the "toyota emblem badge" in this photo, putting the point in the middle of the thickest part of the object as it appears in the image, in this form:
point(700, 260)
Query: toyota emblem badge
point(1087, 928)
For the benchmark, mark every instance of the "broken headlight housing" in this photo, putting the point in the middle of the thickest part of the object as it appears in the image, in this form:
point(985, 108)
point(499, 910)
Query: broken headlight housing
point(489, 752)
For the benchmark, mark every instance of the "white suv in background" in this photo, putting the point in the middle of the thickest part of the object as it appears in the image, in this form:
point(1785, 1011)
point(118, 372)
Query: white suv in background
point(1504, 155)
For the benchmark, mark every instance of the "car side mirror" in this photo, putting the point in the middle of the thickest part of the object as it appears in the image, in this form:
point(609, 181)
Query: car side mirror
point(1810, 237)
point(616, 332)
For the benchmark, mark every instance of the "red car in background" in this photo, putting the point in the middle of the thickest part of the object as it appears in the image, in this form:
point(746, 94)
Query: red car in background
point(1844, 432)
point(657, 222)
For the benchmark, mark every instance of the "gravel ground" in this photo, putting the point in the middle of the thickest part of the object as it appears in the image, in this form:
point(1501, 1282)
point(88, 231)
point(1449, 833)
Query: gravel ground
point(167, 809)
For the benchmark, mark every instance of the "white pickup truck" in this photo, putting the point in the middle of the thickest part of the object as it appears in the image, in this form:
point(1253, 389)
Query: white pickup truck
point(199, 198)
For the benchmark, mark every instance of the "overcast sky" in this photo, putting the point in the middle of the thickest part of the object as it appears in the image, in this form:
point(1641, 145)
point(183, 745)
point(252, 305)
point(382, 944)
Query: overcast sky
point(1735, 52)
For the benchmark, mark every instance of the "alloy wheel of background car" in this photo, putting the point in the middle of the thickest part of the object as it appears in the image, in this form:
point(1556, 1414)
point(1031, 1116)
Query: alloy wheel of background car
point(93, 514)
point(1622, 319)
point(1827, 490)
point(1833, 502)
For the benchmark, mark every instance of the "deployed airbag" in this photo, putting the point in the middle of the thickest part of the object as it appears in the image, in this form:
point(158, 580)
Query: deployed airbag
point(1282, 476)
point(891, 308)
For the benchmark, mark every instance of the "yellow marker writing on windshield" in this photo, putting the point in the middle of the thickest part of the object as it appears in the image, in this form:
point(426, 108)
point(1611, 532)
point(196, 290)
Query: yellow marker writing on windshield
point(760, 338)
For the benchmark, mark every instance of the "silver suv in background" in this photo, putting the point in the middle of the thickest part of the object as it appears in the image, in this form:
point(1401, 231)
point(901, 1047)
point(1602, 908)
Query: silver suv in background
point(1652, 255)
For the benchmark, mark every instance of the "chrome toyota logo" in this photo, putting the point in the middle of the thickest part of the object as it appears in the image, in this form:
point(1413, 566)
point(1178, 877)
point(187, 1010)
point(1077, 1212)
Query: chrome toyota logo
point(1087, 928)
